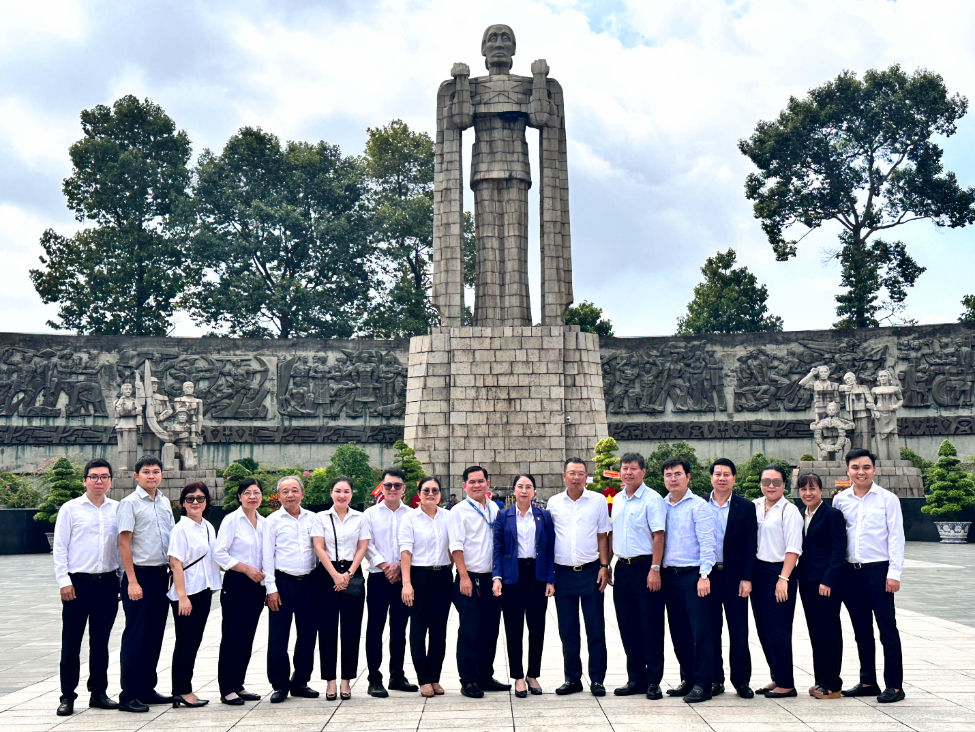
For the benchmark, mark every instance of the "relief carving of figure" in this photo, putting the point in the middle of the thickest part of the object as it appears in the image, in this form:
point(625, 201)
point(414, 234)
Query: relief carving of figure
point(829, 434)
point(859, 403)
point(888, 399)
point(824, 391)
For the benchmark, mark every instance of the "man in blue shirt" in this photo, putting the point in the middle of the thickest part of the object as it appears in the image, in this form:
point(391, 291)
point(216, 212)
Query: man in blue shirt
point(688, 560)
point(638, 542)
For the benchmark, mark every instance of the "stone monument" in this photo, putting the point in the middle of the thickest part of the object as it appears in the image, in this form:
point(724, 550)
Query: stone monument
point(888, 398)
point(503, 394)
point(829, 434)
point(859, 403)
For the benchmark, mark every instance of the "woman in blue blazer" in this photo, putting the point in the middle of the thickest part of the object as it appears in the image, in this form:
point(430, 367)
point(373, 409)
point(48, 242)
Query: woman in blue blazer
point(524, 579)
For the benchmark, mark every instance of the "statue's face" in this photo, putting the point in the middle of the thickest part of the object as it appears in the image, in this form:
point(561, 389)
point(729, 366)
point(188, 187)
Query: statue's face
point(188, 387)
point(832, 409)
point(883, 378)
point(824, 372)
point(498, 46)
point(850, 379)
point(181, 417)
point(126, 390)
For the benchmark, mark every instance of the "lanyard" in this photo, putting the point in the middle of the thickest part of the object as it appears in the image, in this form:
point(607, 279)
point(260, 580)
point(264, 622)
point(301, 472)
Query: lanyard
point(480, 513)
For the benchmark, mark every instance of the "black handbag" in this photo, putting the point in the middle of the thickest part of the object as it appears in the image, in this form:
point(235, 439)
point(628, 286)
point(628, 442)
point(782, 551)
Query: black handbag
point(357, 583)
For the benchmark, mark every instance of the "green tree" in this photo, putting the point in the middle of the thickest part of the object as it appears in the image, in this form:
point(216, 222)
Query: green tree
point(406, 460)
point(862, 154)
point(700, 481)
point(950, 489)
point(729, 300)
point(124, 275)
point(605, 459)
point(283, 240)
point(349, 460)
point(589, 318)
point(63, 482)
point(969, 304)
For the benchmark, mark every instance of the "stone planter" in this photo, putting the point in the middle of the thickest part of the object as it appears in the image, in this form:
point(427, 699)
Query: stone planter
point(953, 532)
point(50, 539)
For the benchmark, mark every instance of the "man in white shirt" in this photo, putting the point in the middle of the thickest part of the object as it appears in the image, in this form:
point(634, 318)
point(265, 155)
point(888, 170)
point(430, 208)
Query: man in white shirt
point(288, 560)
point(582, 572)
point(384, 587)
point(875, 558)
point(470, 527)
point(86, 563)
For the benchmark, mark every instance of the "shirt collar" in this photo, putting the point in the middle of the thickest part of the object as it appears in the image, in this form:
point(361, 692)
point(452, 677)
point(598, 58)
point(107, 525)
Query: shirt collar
point(141, 492)
point(528, 513)
point(637, 494)
point(687, 496)
point(183, 519)
point(727, 504)
point(813, 512)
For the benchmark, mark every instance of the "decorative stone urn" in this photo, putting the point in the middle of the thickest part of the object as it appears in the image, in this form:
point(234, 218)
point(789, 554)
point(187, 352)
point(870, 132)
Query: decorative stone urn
point(50, 539)
point(953, 532)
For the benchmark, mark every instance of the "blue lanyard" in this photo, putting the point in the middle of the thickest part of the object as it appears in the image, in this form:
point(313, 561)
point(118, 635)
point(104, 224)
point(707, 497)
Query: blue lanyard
point(480, 513)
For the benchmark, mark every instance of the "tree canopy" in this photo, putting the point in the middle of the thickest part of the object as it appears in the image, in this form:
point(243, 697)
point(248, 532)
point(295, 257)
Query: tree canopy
point(130, 181)
point(589, 318)
point(729, 300)
point(860, 153)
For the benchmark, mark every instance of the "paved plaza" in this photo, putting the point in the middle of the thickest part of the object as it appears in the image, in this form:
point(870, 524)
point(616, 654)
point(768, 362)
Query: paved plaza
point(936, 615)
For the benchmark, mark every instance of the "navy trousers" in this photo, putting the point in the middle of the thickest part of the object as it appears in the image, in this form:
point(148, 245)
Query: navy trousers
point(572, 591)
point(690, 630)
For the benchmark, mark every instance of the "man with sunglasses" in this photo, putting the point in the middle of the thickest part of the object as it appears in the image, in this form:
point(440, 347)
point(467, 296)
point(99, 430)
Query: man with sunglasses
point(470, 527)
point(380, 525)
point(86, 562)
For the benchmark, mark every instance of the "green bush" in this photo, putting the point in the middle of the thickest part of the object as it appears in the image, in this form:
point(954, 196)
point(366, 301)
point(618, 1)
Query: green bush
point(16, 491)
point(700, 480)
point(249, 463)
point(267, 478)
point(806, 457)
point(62, 479)
point(349, 460)
point(950, 488)
point(406, 461)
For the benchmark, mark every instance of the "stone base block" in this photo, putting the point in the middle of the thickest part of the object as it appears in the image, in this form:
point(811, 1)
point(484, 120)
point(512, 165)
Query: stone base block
point(512, 399)
point(898, 476)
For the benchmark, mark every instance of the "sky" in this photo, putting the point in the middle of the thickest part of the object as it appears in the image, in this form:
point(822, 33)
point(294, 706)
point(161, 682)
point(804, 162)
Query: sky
point(657, 94)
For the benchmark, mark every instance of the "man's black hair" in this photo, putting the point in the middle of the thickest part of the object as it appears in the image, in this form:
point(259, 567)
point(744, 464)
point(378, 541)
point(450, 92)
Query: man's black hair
point(395, 472)
point(147, 461)
point(98, 463)
point(675, 462)
point(573, 460)
point(634, 457)
point(474, 469)
point(726, 462)
point(859, 452)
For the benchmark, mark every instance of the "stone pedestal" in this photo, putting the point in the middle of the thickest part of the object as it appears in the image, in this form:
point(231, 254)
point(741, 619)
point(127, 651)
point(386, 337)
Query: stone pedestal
point(512, 399)
point(172, 483)
point(900, 477)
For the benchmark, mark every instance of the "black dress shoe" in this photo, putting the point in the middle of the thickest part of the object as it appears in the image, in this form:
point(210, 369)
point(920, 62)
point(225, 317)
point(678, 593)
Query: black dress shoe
point(237, 701)
point(891, 695)
point(781, 694)
point(102, 701)
point(569, 687)
point(683, 690)
point(534, 690)
point(745, 692)
point(695, 695)
point(492, 684)
point(278, 696)
point(402, 684)
point(66, 708)
point(133, 705)
point(717, 689)
point(248, 696)
point(156, 698)
point(654, 692)
point(178, 700)
point(597, 689)
point(522, 693)
point(305, 692)
point(628, 689)
point(377, 691)
point(863, 690)
point(472, 690)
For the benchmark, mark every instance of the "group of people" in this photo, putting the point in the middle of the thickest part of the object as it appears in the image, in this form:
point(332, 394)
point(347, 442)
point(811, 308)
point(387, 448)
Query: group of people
point(699, 560)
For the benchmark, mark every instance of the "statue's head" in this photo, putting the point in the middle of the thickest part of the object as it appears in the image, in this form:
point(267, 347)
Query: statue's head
point(823, 372)
point(498, 47)
point(154, 384)
point(883, 378)
point(182, 416)
point(832, 409)
point(188, 387)
point(126, 390)
point(850, 379)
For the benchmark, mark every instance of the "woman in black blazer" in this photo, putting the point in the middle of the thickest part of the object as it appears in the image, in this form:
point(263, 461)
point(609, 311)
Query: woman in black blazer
point(524, 579)
point(820, 571)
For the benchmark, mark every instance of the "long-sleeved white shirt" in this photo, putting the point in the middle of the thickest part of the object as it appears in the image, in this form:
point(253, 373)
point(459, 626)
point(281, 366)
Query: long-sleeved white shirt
point(526, 534)
point(577, 526)
point(345, 534)
point(874, 528)
point(240, 541)
point(471, 528)
point(191, 541)
point(85, 539)
point(426, 538)
point(287, 545)
point(779, 531)
point(381, 526)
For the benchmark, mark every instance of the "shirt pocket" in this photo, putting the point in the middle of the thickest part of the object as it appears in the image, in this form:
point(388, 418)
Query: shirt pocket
point(875, 518)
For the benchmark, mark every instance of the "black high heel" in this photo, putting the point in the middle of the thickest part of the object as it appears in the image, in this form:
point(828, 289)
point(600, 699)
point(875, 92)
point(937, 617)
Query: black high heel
point(178, 699)
point(535, 690)
point(345, 695)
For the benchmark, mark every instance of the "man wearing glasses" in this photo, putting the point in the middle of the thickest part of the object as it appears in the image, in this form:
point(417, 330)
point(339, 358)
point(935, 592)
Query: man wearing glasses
point(380, 524)
point(470, 527)
point(86, 562)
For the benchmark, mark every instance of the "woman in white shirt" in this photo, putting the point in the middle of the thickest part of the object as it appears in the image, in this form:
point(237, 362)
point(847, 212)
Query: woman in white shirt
point(774, 594)
point(425, 562)
point(238, 552)
point(341, 586)
point(196, 576)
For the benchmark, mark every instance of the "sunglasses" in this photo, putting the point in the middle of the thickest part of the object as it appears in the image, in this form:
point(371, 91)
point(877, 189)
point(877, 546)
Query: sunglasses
point(394, 486)
point(766, 482)
point(430, 491)
point(195, 499)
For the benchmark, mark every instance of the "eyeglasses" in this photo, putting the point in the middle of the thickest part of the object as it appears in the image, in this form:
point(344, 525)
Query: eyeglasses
point(430, 491)
point(766, 482)
point(252, 494)
point(394, 486)
point(99, 478)
point(195, 499)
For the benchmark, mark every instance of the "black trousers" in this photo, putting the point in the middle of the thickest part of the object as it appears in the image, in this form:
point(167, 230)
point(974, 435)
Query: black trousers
point(724, 595)
point(640, 616)
point(339, 621)
point(866, 598)
point(825, 634)
point(480, 624)
point(145, 626)
point(297, 603)
point(690, 631)
point(242, 602)
point(572, 590)
point(773, 621)
point(95, 606)
point(522, 603)
point(428, 621)
point(189, 635)
point(383, 599)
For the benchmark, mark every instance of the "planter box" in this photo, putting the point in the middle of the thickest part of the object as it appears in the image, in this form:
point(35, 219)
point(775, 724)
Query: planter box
point(21, 534)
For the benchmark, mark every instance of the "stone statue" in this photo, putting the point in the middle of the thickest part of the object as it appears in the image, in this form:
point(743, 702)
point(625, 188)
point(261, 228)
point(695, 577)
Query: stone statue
point(128, 420)
point(500, 106)
point(179, 442)
point(888, 398)
point(829, 433)
point(859, 402)
point(824, 391)
point(193, 408)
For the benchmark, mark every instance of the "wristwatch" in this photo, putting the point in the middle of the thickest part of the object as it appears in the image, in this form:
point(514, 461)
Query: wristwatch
point(654, 567)
point(604, 566)
point(705, 576)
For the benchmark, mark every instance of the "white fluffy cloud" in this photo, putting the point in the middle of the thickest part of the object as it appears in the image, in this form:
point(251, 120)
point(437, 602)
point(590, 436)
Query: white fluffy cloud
point(657, 96)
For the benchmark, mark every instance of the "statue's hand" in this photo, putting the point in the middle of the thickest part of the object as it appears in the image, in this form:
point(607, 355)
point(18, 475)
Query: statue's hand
point(540, 67)
point(460, 69)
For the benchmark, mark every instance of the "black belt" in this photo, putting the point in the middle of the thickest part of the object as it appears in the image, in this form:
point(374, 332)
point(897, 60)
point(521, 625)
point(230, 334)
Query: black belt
point(679, 570)
point(296, 577)
point(526, 559)
point(429, 569)
point(634, 560)
point(159, 567)
point(581, 567)
point(864, 565)
point(95, 575)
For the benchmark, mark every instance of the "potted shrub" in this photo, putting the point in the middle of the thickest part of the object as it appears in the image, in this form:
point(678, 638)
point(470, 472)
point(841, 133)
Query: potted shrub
point(63, 481)
point(949, 491)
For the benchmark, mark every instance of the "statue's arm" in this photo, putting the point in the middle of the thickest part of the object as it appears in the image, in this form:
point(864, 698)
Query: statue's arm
point(461, 109)
point(540, 111)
